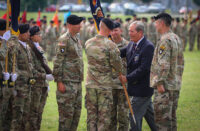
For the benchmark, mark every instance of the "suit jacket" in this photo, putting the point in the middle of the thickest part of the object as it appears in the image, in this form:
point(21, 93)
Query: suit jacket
point(138, 67)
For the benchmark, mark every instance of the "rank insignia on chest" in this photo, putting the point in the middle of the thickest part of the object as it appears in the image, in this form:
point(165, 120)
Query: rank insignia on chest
point(162, 48)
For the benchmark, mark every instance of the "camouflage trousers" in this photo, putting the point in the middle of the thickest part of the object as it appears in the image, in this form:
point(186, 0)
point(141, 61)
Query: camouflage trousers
point(21, 109)
point(37, 101)
point(165, 106)
point(120, 111)
point(191, 42)
point(198, 41)
point(43, 100)
point(51, 51)
point(98, 104)
point(69, 106)
point(7, 108)
point(184, 40)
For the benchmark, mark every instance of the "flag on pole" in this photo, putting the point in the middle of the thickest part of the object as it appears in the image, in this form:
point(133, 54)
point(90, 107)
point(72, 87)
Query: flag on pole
point(38, 19)
point(55, 18)
point(15, 10)
point(5, 15)
point(24, 17)
point(97, 12)
point(66, 15)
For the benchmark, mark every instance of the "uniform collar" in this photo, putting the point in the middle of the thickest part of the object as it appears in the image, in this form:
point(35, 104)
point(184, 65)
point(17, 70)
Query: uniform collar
point(23, 43)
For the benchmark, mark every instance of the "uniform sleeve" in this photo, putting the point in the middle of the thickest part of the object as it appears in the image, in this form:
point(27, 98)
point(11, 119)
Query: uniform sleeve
point(115, 59)
point(164, 61)
point(58, 62)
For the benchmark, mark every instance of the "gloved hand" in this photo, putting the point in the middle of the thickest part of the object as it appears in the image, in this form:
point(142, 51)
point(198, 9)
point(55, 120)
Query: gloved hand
point(49, 77)
point(6, 76)
point(14, 77)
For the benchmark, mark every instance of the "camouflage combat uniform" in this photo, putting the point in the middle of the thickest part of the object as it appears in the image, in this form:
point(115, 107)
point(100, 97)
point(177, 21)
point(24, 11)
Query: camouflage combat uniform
point(44, 37)
point(51, 45)
point(151, 34)
point(192, 35)
point(68, 69)
point(3, 51)
point(164, 71)
point(37, 90)
point(103, 57)
point(198, 36)
point(184, 35)
point(24, 69)
point(120, 110)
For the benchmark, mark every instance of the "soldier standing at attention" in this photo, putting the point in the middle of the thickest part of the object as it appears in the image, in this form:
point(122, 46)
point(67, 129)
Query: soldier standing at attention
point(3, 76)
point(24, 69)
point(51, 35)
point(68, 73)
point(103, 57)
point(192, 35)
point(164, 74)
point(151, 33)
point(44, 36)
point(184, 33)
point(120, 108)
point(41, 74)
point(198, 36)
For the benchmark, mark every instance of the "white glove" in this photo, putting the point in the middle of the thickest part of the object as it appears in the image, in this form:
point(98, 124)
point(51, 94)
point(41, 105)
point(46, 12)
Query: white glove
point(49, 77)
point(48, 89)
point(6, 76)
point(14, 77)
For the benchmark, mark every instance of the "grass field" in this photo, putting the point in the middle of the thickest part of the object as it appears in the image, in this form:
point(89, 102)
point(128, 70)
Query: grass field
point(188, 112)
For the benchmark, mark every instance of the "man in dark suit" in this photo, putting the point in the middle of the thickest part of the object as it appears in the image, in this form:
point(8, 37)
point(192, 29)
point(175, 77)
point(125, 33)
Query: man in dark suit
point(139, 54)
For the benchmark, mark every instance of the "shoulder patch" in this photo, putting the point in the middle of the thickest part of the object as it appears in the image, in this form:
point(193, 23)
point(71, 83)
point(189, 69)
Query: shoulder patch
point(162, 48)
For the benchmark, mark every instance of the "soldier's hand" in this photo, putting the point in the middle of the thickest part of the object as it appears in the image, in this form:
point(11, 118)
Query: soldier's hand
point(6, 76)
point(160, 88)
point(61, 87)
point(123, 79)
point(14, 77)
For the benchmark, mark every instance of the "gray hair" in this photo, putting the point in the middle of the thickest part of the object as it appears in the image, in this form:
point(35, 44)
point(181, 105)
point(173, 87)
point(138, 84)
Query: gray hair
point(139, 25)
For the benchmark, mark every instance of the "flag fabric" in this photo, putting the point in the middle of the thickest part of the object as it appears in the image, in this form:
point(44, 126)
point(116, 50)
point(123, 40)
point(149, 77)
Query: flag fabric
point(15, 10)
point(24, 17)
point(38, 19)
point(66, 15)
point(97, 12)
point(55, 18)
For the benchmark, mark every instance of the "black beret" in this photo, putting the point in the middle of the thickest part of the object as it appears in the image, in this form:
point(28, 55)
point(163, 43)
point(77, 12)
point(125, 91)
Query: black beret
point(51, 21)
point(2, 24)
point(34, 30)
point(23, 28)
point(117, 25)
point(108, 22)
point(128, 19)
point(74, 20)
point(163, 15)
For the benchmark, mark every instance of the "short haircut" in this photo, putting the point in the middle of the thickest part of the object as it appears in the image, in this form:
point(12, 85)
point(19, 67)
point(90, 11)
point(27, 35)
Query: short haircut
point(139, 26)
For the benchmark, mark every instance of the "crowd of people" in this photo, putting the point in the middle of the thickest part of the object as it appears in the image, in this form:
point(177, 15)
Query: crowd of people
point(147, 57)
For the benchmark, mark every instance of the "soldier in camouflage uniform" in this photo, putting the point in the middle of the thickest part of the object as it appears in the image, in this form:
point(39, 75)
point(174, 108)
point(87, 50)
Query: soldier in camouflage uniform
point(120, 108)
point(40, 75)
point(3, 76)
point(24, 69)
point(125, 28)
point(59, 29)
point(68, 73)
point(184, 33)
point(64, 29)
point(103, 58)
point(145, 21)
point(177, 27)
point(165, 72)
point(51, 34)
point(198, 36)
point(151, 32)
point(192, 35)
point(44, 36)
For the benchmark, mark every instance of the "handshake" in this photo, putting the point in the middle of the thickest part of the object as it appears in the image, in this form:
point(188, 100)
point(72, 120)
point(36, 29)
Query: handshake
point(7, 76)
